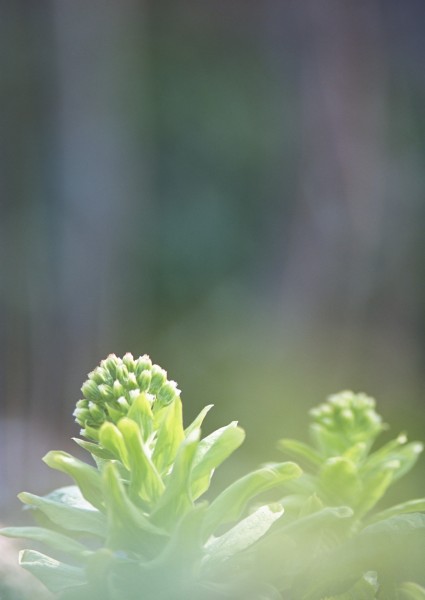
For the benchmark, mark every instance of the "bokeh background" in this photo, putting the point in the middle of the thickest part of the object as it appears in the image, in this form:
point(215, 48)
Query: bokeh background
point(235, 187)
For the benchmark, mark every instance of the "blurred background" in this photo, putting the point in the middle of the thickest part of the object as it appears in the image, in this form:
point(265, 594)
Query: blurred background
point(235, 188)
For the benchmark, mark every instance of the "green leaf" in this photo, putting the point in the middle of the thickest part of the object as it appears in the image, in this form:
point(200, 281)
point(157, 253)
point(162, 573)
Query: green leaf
point(386, 452)
point(412, 591)
point(177, 498)
point(364, 589)
point(374, 488)
point(407, 457)
point(229, 505)
point(410, 506)
point(242, 535)
point(141, 413)
point(123, 516)
point(94, 449)
point(111, 438)
point(61, 510)
point(51, 538)
point(55, 575)
point(339, 481)
point(197, 422)
point(314, 521)
point(145, 480)
point(211, 452)
point(395, 526)
point(184, 549)
point(86, 477)
point(169, 437)
point(294, 546)
point(300, 451)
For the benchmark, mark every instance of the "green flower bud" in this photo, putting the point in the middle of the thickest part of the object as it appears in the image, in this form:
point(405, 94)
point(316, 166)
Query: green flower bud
point(344, 420)
point(118, 389)
point(123, 404)
point(106, 392)
point(122, 373)
point(81, 415)
point(113, 386)
point(91, 390)
point(143, 363)
point(168, 392)
point(132, 381)
point(82, 404)
point(96, 413)
point(159, 377)
point(98, 375)
point(144, 380)
point(110, 364)
point(128, 360)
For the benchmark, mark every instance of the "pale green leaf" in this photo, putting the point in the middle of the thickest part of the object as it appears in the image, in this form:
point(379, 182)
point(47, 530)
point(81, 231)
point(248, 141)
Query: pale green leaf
point(211, 452)
point(177, 498)
point(55, 540)
point(111, 438)
point(300, 451)
point(412, 591)
point(86, 477)
point(55, 575)
point(59, 509)
point(122, 513)
point(229, 505)
point(145, 480)
point(169, 437)
point(197, 422)
point(242, 535)
point(410, 506)
point(141, 412)
point(94, 449)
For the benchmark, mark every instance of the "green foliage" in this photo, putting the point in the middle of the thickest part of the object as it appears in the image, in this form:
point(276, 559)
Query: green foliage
point(134, 522)
point(136, 525)
point(321, 551)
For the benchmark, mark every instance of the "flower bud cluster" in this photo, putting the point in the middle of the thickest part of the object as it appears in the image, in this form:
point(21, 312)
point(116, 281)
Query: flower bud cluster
point(112, 387)
point(348, 415)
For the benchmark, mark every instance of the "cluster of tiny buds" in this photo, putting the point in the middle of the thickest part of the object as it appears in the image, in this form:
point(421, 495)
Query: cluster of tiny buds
point(113, 386)
point(348, 411)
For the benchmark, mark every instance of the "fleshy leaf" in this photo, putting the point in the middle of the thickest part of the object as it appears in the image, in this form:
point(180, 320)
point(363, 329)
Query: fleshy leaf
point(51, 538)
point(229, 505)
point(412, 591)
point(299, 450)
point(242, 535)
point(86, 476)
point(145, 480)
point(141, 412)
point(211, 452)
point(177, 498)
point(111, 438)
point(410, 506)
point(197, 422)
point(122, 513)
point(169, 437)
point(55, 575)
point(67, 515)
point(364, 589)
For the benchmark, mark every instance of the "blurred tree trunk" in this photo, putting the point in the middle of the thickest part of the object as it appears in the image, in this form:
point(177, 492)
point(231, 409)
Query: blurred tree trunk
point(69, 241)
point(339, 226)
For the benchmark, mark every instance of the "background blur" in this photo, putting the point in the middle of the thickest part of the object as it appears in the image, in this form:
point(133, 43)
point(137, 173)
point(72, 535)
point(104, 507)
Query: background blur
point(236, 188)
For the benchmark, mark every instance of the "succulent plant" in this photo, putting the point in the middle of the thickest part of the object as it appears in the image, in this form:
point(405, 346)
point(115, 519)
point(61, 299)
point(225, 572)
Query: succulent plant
point(136, 524)
point(331, 536)
point(133, 522)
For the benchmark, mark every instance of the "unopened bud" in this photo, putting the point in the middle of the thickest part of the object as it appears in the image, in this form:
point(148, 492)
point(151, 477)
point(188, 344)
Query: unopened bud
point(91, 390)
point(168, 392)
point(159, 377)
